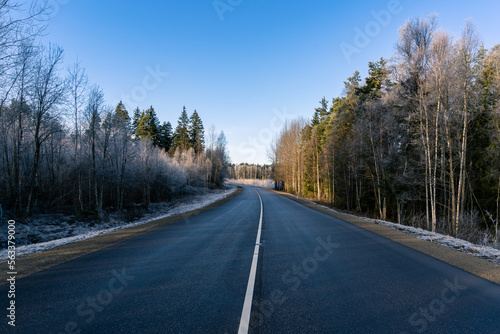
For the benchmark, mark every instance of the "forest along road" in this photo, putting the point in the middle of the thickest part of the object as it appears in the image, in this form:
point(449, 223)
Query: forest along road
point(314, 274)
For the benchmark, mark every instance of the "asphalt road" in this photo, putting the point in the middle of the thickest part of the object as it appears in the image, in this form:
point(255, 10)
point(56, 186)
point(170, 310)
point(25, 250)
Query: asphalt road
point(315, 274)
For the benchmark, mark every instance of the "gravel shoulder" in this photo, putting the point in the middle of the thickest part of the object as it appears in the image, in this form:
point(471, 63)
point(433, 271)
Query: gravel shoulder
point(33, 263)
point(477, 266)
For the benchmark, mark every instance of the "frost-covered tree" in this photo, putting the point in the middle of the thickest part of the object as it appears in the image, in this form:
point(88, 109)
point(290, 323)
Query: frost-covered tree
point(47, 94)
point(219, 160)
point(63, 149)
point(416, 141)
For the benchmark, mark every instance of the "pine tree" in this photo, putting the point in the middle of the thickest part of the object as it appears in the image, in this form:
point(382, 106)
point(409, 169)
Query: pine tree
point(197, 133)
point(376, 81)
point(181, 136)
point(321, 112)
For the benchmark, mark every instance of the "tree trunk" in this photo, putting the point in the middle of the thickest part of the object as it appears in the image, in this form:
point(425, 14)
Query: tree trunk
point(497, 216)
point(318, 175)
point(463, 152)
point(34, 176)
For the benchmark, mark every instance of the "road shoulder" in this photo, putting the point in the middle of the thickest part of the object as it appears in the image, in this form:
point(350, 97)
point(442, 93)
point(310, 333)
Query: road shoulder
point(477, 266)
point(33, 263)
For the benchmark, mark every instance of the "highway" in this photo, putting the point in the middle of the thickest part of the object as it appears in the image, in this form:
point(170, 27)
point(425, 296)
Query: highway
point(313, 273)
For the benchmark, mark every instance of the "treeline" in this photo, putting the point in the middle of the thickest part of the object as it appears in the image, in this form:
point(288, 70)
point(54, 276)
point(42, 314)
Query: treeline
point(188, 134)
point(64, 149)
point(417, 141)
point(245, 171)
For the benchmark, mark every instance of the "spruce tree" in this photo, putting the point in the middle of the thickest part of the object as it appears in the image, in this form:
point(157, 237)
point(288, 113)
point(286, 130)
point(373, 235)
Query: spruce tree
point(181, 136)
point(165, 136)
point(142, 130)
point(147, 126)
point(135, 120)
point(197, 133)
point(121, 116)
point(153, 125)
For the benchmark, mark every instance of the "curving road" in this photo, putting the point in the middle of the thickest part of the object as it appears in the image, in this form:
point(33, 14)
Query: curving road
point(314, 274)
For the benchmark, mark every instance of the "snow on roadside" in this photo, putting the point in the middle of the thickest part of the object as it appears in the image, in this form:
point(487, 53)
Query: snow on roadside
point(158, 211)
point(485, 252)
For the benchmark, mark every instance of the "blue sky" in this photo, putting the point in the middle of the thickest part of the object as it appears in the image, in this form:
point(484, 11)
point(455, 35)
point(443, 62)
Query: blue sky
point(246, 67)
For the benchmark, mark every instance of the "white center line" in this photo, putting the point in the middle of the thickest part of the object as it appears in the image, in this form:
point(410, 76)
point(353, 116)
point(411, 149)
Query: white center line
point(247, 305)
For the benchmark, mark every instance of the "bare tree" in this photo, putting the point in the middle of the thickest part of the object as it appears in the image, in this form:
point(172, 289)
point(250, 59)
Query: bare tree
point(440, 81)
point(25, 76)
point(414, 49)
point(468, 49)
point(48, 93)
point(93, 114)
point(494, 152)
point(77, 86)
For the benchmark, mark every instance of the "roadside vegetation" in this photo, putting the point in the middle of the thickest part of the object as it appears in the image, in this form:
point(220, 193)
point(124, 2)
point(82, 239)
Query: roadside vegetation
point(416, 142)
point(64, 150)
